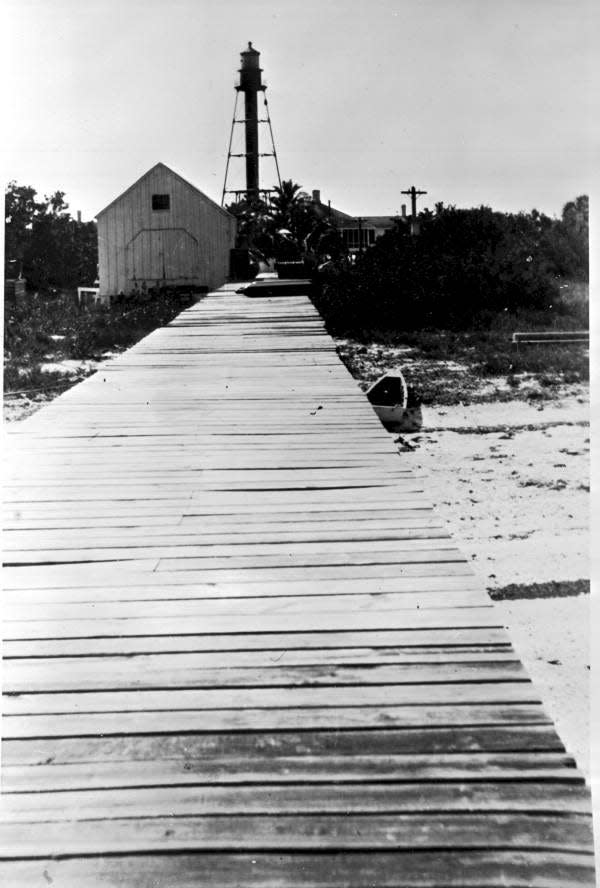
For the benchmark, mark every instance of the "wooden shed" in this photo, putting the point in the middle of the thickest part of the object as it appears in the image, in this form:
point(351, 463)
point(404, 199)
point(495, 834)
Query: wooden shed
point(163, 232)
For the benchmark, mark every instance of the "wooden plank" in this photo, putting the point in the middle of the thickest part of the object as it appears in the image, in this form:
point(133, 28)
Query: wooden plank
point(434, 548)
point(132, 517)
point(290, 719)
point(170, 606)
point(16, 541)
point(375, 578)
point(199, 749)
point(218, 501)
point(150, 587)
point(458, 869)
point(37, 666)
point(290, 696)
point(352, 832)
point(88, 489)
point(373, 798)
point(211, 770)
point(251, 633)
point(408, 639)
point(167, 675)
point(346, 557)
point(441, 618)
point(67, 574)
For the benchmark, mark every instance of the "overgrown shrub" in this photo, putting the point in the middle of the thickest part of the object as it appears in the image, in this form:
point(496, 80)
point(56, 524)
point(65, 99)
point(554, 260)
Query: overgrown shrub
point(31, 324)
point(44, 243)
point(463, 270)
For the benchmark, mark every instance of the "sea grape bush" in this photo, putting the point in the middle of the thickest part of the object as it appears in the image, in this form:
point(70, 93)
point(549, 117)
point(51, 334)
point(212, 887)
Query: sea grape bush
point(44, 244)
point(462, 270)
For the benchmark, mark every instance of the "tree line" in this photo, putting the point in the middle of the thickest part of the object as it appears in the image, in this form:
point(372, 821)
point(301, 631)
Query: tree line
point(464, 268)
point(44, 244)
point(289, 226)
point(463, 264)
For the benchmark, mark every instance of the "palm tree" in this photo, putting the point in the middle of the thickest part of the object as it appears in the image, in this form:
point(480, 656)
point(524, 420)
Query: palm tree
point(284, 201)
point(292, 212)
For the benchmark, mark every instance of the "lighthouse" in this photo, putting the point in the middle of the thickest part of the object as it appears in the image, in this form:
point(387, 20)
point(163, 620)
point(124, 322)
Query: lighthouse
point(249, 86)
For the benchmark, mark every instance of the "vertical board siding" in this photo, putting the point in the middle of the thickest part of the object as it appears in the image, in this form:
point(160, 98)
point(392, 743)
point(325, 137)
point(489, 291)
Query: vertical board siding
point(131, 217)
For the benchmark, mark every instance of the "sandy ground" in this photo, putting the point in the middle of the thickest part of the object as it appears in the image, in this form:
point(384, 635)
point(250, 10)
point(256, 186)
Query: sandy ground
point(512, 482)
point(21, 406)
point(551, 636)
point(444, 381)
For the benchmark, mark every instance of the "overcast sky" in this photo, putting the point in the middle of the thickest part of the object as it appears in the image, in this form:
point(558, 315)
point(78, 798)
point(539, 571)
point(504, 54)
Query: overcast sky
point(474, 101)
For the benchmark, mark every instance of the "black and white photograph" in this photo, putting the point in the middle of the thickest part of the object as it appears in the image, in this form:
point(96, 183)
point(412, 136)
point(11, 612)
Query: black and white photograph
point(297, 462)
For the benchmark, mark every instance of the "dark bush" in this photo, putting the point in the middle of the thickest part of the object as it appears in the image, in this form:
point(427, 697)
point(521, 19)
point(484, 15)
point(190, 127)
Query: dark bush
point(464, 269)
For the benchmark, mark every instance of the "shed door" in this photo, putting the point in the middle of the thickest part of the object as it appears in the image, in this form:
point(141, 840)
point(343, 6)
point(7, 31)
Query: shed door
point(169, 254)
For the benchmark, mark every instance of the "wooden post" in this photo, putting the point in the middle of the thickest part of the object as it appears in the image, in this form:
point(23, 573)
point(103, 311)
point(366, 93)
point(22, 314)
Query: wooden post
point(413, 192)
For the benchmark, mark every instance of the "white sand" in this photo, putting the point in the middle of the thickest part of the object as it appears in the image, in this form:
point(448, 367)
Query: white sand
point(517, 503)
point(551, 636)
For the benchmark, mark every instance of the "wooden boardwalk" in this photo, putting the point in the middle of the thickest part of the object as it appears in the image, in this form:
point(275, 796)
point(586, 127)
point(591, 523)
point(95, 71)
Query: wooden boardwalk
point(242, 650)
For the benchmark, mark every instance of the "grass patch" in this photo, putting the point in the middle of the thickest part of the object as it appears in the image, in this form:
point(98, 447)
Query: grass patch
point(40, 330)
point(448, 367)
point(552, 589)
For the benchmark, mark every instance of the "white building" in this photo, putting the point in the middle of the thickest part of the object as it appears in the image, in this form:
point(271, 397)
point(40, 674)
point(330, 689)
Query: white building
point(163, 232)
point(357, 232)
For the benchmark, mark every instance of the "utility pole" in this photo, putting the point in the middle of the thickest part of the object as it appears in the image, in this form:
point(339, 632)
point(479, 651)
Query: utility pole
point(414, 228)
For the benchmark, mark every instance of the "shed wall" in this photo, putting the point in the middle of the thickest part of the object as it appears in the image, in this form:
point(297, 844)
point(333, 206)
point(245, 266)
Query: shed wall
point(194, 231)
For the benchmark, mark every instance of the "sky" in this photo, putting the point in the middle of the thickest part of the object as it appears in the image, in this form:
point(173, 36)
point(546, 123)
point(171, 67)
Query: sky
point(473, 101)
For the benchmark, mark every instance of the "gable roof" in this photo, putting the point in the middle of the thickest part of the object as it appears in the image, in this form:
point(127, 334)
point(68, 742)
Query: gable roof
point(381, 221)
point(342, 217)
point(171, 172)
point(346, 221)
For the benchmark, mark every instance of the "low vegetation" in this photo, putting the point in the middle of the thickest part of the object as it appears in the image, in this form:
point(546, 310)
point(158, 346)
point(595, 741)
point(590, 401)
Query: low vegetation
point(44, 244)
point(464, 271)
point(42, 333)
point(468, 366)
point(50, 341)
point(443, 305)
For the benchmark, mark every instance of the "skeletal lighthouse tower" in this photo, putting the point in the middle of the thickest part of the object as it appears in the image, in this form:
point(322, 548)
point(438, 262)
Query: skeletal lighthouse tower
point(250, 85)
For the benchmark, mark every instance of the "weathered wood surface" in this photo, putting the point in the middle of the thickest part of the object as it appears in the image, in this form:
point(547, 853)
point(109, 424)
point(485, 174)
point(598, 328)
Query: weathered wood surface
point(242, 650)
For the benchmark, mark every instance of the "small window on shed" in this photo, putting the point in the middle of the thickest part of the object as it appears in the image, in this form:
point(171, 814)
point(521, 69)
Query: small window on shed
point(161, 201)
